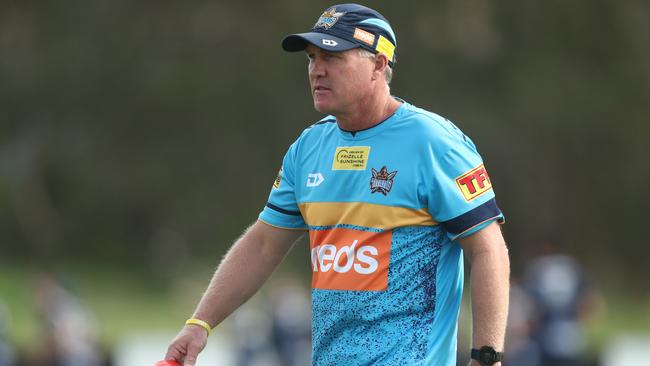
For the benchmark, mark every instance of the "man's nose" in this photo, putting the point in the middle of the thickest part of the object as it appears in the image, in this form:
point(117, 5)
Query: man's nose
point(316, 68)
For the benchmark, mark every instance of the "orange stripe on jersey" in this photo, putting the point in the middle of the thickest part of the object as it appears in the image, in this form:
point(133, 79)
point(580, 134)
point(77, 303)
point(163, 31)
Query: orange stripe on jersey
point(347, 259)
point(363, 214)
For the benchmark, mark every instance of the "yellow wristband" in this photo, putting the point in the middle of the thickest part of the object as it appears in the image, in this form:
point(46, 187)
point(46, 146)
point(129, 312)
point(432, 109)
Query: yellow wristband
point(200, 323)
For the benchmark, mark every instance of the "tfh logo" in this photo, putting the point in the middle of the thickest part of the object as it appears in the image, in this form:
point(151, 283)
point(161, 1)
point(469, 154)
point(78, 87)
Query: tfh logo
point(474, 183)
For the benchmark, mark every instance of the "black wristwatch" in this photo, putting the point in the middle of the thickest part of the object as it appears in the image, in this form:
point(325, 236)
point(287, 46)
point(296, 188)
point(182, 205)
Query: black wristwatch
point(486, 356)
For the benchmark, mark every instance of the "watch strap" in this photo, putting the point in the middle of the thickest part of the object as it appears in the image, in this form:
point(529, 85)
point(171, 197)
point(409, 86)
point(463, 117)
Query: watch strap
point(476, 355)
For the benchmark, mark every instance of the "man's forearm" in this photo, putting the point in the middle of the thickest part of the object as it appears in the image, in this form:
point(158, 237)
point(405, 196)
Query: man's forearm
point(490, 286)
point(244, 269)
point(490, 289)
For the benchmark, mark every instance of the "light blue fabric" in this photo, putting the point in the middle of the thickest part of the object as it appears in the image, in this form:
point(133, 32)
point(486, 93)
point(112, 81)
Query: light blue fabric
point(381, 24)
point(413, 321)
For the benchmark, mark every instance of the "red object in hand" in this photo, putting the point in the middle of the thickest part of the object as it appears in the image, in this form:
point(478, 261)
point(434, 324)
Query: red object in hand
point(167, 363)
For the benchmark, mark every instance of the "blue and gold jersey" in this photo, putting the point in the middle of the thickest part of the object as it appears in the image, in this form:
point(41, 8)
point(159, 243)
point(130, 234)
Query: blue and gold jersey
point(383, 207)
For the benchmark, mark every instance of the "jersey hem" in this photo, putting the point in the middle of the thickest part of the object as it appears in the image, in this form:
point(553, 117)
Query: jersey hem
point(283, 227)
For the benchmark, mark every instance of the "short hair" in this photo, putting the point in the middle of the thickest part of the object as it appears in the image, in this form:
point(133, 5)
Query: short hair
point(388, 73)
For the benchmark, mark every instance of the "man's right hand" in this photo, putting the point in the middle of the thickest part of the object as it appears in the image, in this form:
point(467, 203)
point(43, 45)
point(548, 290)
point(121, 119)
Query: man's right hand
point(186, 346)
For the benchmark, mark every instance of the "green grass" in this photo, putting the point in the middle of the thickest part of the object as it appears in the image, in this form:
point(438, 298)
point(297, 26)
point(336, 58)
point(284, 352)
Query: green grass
point(621, 314)
point(123, 300)
point(128, 299)
point(15, 293)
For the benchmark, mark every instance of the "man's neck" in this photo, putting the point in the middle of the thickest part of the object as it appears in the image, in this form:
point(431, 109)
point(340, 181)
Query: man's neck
point(368, 113)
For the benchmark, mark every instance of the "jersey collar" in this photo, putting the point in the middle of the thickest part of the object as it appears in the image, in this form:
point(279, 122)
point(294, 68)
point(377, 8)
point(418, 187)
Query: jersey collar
point(376, 129)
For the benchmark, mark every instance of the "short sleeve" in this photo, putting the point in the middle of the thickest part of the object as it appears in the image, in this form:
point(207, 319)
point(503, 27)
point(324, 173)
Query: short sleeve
point(461, 198)
point(281, 209)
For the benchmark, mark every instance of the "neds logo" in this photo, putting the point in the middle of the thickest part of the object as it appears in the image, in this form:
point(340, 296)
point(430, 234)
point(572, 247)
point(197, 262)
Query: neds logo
point(347, 259)
point(326, 257)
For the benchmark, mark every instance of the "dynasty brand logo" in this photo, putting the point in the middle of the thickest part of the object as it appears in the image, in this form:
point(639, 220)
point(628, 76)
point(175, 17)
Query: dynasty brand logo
point(474, 183)
point(314, 179)
point(347, 259)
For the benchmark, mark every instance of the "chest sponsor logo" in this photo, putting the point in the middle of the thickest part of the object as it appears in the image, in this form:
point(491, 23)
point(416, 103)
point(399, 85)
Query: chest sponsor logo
point(347, 259)
point(382, 181)
point(351, 158)
point(278, 179)
point(474, 183)
point(315, 179)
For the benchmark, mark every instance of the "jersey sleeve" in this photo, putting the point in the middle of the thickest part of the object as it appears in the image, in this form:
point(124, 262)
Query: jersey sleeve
point(462, 199)
point(281, 209)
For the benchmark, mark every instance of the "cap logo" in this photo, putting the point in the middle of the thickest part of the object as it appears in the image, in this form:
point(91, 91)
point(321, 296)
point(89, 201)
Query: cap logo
point(386, 47)
point(328, 18)
point(330, 42)
point(364, 36)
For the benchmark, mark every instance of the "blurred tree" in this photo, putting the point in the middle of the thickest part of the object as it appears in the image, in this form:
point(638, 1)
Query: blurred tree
point(122, 120)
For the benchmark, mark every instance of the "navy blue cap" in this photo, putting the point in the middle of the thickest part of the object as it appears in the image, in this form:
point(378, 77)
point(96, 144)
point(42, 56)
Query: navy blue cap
point(347, 26)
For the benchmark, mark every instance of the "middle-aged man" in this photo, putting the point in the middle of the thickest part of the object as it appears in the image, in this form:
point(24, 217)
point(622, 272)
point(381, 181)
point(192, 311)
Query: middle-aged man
point(391, 196)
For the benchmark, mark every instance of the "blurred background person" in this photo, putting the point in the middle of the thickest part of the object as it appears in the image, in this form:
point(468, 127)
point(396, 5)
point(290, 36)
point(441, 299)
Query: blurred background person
point(274, 327)
point(6, 350)
point(521, 349)
point(291, 326)
point(70, 329)
point(251, 329)
point(548, 311)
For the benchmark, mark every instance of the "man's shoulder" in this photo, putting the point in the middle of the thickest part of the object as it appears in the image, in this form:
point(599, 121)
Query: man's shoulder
point(314, 132)
point(325, 125)
point(422, 119)
point(430, 126)
point(327, 122)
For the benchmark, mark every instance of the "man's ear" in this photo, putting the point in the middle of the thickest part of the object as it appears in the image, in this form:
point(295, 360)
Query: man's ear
point(381, 63)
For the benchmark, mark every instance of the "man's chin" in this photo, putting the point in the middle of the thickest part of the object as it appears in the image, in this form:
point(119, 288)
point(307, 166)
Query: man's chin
point(318, 109)
point(323, 107)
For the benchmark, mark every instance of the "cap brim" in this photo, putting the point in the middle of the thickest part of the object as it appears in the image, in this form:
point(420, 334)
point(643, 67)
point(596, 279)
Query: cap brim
point(298, 42)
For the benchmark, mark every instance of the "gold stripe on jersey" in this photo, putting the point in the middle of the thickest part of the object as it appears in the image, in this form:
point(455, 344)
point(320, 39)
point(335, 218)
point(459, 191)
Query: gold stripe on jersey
point(363, 214)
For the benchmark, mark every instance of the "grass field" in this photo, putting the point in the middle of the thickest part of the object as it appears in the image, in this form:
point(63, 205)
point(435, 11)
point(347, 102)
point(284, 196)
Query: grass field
point(123, 300)
point(130, 299)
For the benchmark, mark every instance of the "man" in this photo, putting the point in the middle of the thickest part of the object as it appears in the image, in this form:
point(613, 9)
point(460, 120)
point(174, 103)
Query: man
point(391, 195)
point(554, 299)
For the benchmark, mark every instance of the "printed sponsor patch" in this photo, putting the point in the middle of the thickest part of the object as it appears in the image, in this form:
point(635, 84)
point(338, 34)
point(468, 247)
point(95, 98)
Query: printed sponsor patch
point(386, 47)
point(351, 158)
point(278, 179)
point(347, 259)
point(364, 36)
point(328, 18)
point(474, 183)
point(382, 181)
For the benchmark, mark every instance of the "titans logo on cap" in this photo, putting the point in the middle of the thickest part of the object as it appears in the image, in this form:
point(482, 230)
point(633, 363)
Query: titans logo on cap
point(328, 18)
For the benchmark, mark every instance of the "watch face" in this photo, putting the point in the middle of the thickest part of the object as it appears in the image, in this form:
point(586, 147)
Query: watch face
point(486, 356)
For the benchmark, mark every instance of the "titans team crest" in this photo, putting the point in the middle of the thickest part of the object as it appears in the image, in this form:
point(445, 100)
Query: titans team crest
point(382, 180)
point(328, 18)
